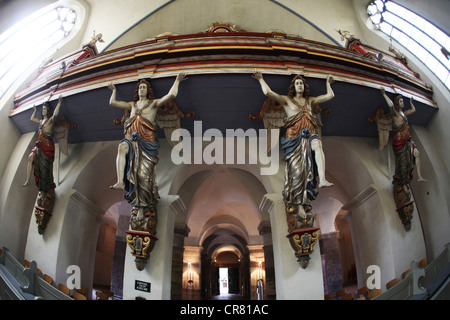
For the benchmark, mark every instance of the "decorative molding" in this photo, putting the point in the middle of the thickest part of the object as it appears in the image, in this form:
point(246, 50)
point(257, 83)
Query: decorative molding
point(86, 204)
point(360, 198)
point(267, 202)
point(177, 206)
point(125, 64)
point(222, 27)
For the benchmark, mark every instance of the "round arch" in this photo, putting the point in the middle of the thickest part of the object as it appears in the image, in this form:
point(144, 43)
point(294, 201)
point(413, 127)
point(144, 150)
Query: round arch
point(223, 222)
point(222, 214)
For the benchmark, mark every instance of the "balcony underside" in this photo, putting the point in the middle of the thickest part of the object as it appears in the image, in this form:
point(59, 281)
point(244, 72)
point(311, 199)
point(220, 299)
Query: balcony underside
point(220, 88)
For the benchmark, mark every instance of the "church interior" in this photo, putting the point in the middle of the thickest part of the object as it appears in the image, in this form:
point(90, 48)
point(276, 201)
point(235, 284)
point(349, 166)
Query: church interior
point(220, 223)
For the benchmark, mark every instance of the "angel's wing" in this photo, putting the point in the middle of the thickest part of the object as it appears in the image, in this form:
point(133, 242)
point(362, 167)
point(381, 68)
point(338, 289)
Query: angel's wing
point(61, 133)
point(384, 124)
point(317, 113)
point(168, 118)
point(273, 115)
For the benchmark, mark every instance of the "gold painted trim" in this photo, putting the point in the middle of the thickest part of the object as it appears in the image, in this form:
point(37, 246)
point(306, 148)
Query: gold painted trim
point(220, 47)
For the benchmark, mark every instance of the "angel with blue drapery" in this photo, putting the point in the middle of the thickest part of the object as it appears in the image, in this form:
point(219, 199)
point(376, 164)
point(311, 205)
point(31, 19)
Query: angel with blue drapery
point(303, 153)
point(137, 158)
point(138, 151)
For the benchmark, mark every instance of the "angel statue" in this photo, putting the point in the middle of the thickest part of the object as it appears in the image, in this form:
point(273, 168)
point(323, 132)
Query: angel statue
point(303, 153)
point(42, 156)
point(138, 154)
point(40, 164)
point(405, 152)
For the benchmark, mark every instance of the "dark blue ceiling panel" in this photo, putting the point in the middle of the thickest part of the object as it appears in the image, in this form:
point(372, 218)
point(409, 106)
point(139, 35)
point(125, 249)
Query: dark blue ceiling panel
point(224, 101)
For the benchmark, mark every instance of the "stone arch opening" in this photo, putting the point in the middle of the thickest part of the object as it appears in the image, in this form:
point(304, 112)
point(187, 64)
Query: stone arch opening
point(222, 218)
point(225, 250)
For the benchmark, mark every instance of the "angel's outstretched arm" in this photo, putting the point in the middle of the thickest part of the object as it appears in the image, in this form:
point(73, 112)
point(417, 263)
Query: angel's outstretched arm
point(113, 102)
point(266, 89)
point(173, 92)
point(33, 116)
point(327, 96)
point(388, 100)
point(413, 108)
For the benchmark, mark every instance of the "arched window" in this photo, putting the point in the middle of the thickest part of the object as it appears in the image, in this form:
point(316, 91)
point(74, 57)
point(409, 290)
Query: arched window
point(423, 39)
point(25, 42)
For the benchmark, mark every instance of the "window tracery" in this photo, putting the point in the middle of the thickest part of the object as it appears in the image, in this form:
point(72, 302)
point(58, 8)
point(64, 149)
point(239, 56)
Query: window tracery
point(28, 40)
point(422, 38)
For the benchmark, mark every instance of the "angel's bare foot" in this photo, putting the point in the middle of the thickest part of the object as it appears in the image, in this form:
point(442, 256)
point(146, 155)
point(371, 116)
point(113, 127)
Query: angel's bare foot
point(421, 179)
point(26, 184)
point(118, 186)
point(325, 183)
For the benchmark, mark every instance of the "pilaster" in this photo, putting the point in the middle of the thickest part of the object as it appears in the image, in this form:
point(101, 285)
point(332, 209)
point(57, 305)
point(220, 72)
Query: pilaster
point(292, 281)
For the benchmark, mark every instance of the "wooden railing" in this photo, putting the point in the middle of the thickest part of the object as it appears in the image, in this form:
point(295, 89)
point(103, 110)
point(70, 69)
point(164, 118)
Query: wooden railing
point(422, 283)
point(18, 282)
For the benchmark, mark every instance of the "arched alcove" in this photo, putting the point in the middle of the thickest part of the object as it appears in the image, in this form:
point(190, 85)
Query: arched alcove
point(228, 261)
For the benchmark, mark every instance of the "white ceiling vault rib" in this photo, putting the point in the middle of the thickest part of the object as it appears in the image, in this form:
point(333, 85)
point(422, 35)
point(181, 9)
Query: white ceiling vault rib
point(195, 16)
point(137, 23)
point(308, 21)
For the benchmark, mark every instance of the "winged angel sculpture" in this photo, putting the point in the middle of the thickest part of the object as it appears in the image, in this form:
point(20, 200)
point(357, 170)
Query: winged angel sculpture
point(299, 113)
point(138, 155)
point(42, 156)
point(405, 152)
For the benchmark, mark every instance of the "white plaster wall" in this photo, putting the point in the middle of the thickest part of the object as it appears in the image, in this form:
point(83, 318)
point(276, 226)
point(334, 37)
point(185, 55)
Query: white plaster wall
point(11, 132)
point(15, 201)
point(118, 14)
point(431, 197)
point(291, 280)
point(379, 237)
point(71, 232)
